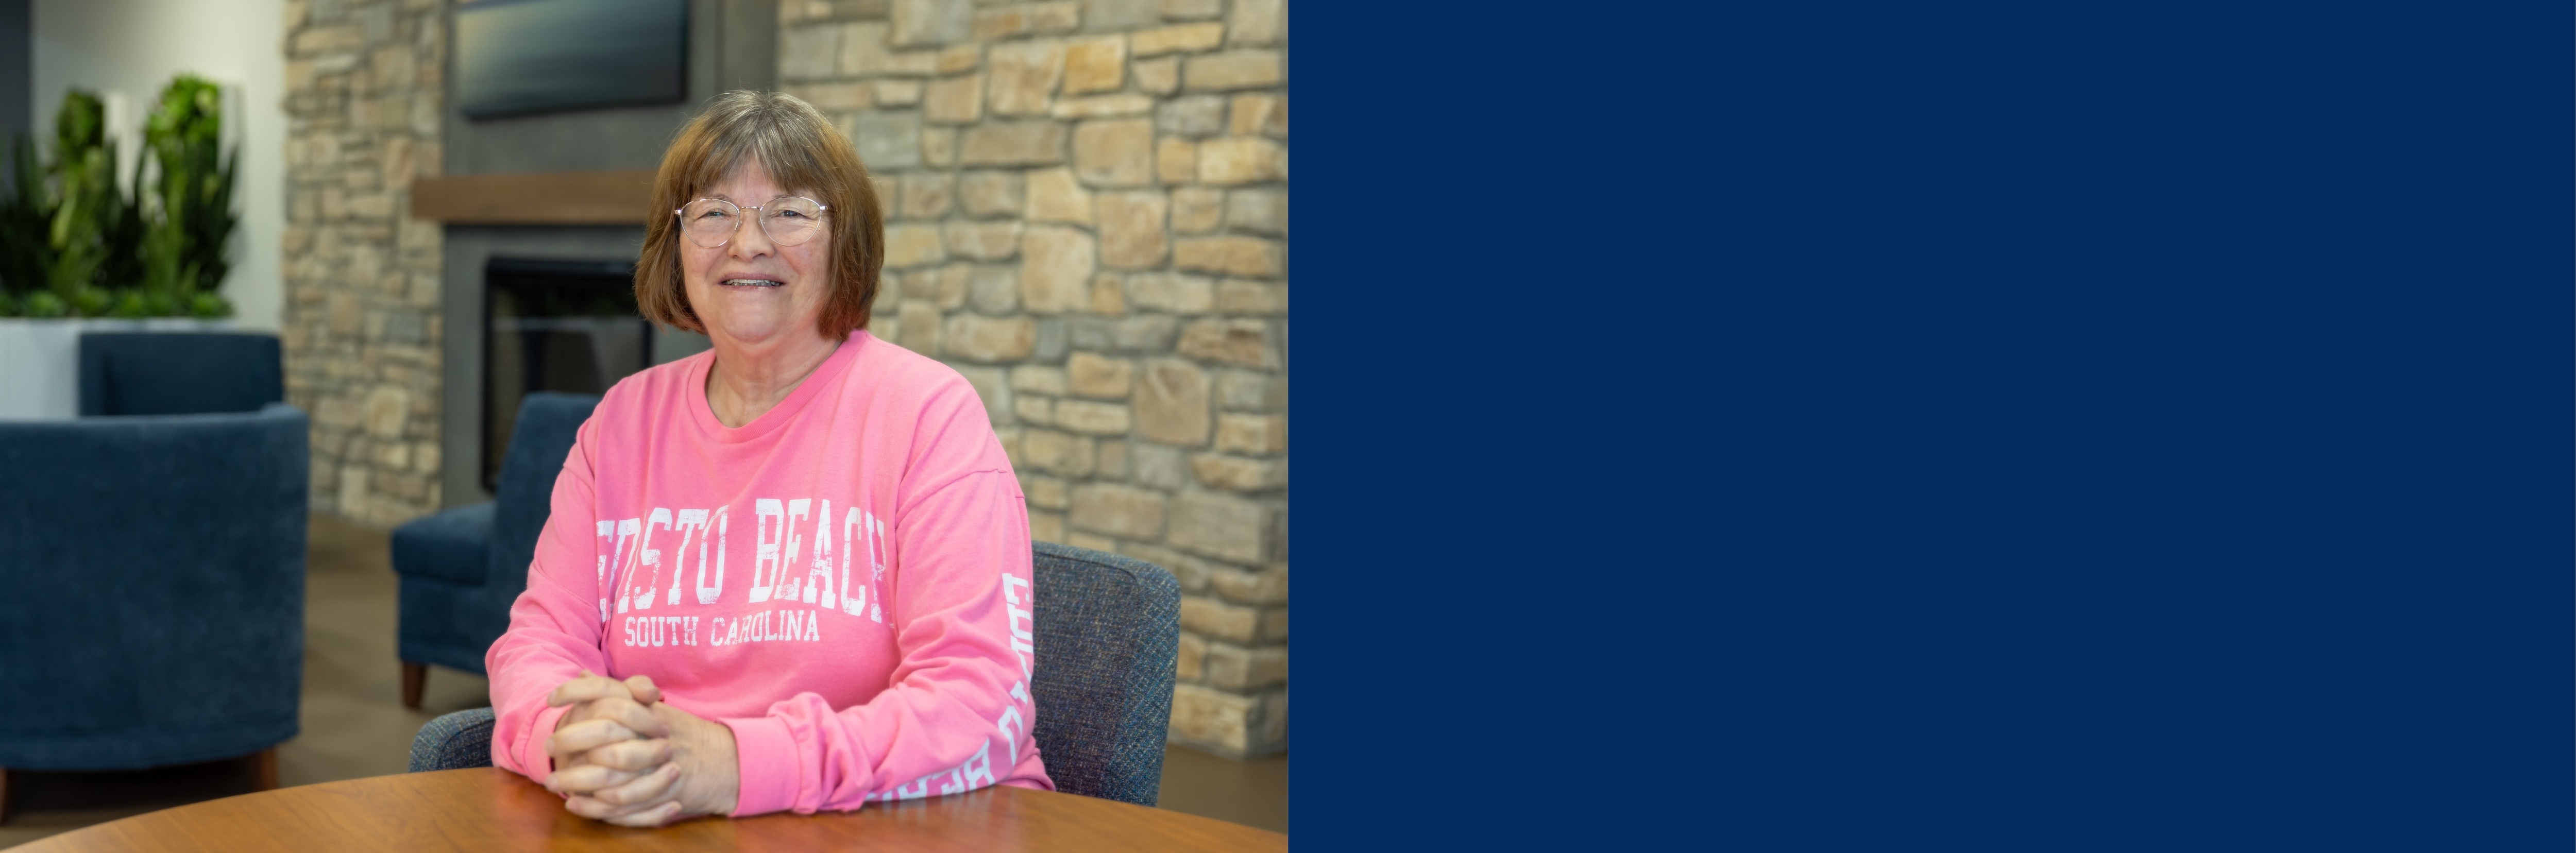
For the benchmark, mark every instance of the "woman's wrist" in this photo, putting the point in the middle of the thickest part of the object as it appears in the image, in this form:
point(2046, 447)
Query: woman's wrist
point(724, 771)
point(710, 762)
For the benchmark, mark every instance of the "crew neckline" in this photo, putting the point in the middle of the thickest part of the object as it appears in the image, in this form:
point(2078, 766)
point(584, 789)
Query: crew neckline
point(827, 373)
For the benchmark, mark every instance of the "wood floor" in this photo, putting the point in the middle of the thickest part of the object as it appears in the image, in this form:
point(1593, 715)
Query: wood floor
point(354, 724)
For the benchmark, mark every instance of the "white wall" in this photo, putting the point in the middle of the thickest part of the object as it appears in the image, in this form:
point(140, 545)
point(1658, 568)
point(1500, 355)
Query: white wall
point(131, 48)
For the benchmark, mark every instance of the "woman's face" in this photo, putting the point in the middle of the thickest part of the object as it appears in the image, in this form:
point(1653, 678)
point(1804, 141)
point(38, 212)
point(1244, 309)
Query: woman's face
point(750, 290)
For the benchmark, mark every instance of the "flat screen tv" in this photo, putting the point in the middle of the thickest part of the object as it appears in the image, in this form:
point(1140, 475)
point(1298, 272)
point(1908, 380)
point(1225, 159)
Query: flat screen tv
point(517, 57)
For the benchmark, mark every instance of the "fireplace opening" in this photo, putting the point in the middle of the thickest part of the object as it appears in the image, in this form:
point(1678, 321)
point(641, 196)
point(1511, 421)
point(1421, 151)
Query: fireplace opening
point(554, 325)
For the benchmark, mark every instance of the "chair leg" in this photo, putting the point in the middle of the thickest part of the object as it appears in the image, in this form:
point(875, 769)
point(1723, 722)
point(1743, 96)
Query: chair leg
point(263, 769)
point(415, 677)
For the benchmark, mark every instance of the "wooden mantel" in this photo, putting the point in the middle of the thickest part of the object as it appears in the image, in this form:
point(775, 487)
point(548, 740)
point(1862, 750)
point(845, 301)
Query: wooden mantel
point(622, 197)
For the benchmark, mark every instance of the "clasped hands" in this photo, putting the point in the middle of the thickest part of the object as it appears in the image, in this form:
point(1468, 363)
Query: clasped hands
point(624, 756)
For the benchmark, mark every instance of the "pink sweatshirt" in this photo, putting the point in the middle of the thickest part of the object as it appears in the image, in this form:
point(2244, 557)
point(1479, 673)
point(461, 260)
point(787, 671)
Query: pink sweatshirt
point(867, 636)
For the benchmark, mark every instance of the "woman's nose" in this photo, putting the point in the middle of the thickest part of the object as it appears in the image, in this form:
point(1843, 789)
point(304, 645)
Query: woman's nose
point(749, 241)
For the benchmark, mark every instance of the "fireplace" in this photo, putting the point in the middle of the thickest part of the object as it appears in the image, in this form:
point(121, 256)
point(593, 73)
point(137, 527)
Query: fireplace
point(573, 188)
point(554, 325)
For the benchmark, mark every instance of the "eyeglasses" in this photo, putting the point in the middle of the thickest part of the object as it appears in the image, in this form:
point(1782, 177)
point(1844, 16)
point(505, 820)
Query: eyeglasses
point(787, 220)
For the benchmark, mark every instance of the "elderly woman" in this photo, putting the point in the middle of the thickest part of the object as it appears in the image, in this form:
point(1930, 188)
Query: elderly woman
point(865, 636)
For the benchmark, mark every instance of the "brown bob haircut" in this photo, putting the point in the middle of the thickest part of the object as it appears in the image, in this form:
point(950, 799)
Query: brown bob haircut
point(804, 153)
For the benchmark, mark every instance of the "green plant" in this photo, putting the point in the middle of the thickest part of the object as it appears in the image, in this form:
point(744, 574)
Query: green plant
point(92, 301)
point(73, 242)
point(137, 302)
point(123, 265)
point(88, 206)
point(44, 303)
point(188, 216)
point(26, 223)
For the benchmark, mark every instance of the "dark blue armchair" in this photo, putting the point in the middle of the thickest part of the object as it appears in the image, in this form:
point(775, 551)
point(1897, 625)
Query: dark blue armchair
point(1108, 638)
point(178, 373)
point(461, 568)
point(151, 589)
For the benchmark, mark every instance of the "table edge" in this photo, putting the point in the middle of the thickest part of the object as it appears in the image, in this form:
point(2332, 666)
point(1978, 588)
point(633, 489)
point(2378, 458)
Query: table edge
point(51, 842)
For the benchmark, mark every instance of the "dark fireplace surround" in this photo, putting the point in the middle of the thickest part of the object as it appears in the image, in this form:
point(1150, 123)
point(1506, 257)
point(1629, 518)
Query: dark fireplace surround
point(553, 325)
point(534, 308)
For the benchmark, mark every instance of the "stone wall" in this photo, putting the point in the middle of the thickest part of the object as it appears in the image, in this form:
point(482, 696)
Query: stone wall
point(1087, 209)
point(361, 325)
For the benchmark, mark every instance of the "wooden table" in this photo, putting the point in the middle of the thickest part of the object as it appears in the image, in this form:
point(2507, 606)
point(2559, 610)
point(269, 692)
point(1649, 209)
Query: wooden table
point(492, 809)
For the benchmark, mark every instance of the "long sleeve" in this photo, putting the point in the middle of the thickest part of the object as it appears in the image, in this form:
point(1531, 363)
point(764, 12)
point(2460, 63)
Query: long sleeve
point(555, 625)
point(957, 713)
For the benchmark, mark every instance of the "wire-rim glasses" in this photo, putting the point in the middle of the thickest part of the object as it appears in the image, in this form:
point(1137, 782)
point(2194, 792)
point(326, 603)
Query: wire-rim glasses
point(785, 220)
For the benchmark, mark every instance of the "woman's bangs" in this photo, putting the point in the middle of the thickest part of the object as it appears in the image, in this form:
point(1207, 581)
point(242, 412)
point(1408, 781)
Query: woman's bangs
point(793, 167)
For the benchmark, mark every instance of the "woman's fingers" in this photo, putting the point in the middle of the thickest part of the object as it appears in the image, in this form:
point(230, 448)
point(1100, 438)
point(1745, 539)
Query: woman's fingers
point(584, 736)
point(586, 688)
point(595, 809)
point(581, 689)
point(615, 756)
point(586, 778)
point(650, 818)
point(642, 689)
point(645, 790)
point(637, 718)
point(647, 801)
point(634, 755)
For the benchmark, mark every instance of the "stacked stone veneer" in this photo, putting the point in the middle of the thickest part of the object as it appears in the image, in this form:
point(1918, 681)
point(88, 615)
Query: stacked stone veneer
point(1087, 216)
point(361, 331)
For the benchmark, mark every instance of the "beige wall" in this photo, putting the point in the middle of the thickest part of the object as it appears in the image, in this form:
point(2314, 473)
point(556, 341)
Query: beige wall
point(1087, 209)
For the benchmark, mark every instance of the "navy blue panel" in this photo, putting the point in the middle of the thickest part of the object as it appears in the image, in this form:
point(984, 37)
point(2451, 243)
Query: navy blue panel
point(2031, 426)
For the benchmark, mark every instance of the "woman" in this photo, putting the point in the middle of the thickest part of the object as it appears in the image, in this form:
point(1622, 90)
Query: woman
point(865, 636)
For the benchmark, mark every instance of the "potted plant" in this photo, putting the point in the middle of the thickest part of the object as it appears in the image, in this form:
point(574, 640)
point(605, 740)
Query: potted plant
point(67, 217)
point(79, 252)
point(189, 207)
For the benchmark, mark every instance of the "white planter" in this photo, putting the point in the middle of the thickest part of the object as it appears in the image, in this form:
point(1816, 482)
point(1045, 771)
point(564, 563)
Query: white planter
point(40, 360)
